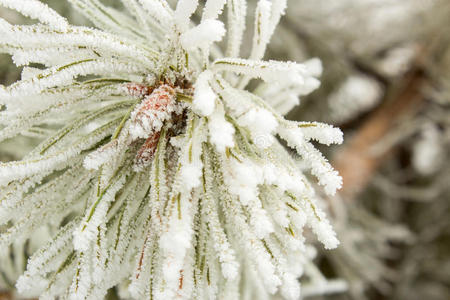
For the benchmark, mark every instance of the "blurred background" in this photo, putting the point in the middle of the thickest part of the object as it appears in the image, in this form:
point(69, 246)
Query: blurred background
point(386, 84)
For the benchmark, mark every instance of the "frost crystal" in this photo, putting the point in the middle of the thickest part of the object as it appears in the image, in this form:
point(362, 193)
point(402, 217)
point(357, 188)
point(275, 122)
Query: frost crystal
point(161, 175)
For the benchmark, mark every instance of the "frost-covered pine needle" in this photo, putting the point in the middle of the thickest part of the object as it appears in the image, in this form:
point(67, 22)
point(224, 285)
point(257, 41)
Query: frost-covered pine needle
point(162, 173)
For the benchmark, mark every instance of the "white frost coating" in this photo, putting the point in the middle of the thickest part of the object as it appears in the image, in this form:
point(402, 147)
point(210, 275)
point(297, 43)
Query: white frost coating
point(175, 242)
point(32, 281)
point(64, 75)
point(234, 99)
point(259, 257)
point(203, 35)
point(159, 10)
point(97, 158)
point(230, 266)
point(19, 170)
point(29, 72)
point(191, 164)
point(287, 103)
point(37, 10)
point(184, 11)
point(282, 178)
point(283, 95)
point(87, 230)
point(269, 71)
point(290, 289)
point(221, 132)
point(141, 275)
point(261, 124)
point(82, 281)
point(320, 225)
point(259, 221)
point(320, 167)
point(237, 13)
point(101, 255)
point(243, 180)
point(278, 10)
point(213, 8)
point(309, 85)
point(191, 174)
point(204, 96)
point(5, 26)
point(262, 31)
point(322, 133)
point(35, 36)
point(314, 67)
point(51, 57)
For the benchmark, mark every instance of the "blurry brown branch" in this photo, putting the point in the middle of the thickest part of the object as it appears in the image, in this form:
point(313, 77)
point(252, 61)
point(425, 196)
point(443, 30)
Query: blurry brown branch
point(357, 162)
point(5, 296)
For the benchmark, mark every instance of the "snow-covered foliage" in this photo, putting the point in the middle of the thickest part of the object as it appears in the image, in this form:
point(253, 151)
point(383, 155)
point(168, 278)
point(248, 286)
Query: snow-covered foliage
point(355, 96)
point(428, 151)
point(163, 174)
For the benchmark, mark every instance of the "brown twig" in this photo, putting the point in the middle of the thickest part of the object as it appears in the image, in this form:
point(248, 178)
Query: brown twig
point(5, 296)
point(356, 162)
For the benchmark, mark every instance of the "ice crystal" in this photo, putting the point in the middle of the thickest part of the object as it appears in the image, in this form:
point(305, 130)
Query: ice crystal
point(161, 172)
